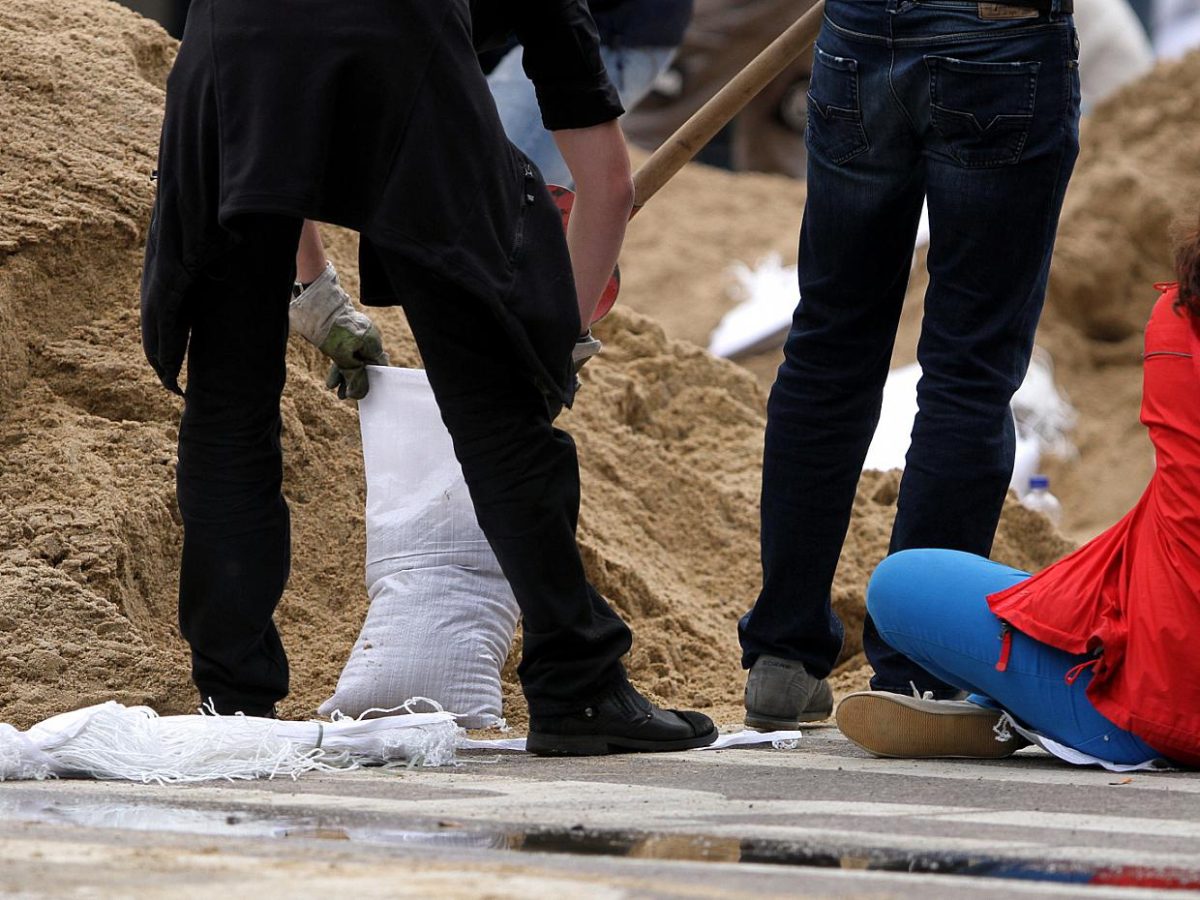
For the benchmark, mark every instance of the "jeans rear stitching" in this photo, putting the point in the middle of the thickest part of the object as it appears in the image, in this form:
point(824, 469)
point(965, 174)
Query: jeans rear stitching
point(895, 96)
point(962, 37)
point(857, 35)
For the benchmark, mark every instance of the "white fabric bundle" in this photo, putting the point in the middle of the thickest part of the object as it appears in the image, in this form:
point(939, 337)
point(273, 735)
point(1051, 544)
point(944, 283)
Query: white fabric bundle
point(1042, 411)
point(1114, 49)
point(767, 296)
point(442, 615)
point(111, 741)
point(1044, 420)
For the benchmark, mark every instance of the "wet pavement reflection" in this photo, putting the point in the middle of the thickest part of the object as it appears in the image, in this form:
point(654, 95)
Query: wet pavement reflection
point(27, 807)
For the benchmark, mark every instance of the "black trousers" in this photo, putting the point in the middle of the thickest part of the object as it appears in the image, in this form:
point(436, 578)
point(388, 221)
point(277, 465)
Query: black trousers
point(522, 473)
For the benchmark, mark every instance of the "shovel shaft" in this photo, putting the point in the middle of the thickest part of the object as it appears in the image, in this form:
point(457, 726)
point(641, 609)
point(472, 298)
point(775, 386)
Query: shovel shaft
point(714, 115)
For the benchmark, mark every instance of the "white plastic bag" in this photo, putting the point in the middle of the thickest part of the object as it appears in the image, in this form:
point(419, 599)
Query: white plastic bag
point(442, 615)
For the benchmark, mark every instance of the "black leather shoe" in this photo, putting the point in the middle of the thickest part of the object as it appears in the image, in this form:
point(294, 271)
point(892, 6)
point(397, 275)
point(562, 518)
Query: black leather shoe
point(232, 708)
point(619, 721)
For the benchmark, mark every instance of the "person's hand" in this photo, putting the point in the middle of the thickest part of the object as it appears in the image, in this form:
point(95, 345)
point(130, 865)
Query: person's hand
point(585, 348)
point(325, 317)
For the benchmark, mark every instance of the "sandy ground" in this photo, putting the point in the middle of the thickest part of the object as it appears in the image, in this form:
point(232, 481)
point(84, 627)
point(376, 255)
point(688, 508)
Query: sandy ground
point(670, 439)
point(1136, 185)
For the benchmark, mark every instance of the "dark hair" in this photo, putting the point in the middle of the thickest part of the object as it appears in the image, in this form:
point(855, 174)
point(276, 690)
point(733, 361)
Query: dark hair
point(1187, 268)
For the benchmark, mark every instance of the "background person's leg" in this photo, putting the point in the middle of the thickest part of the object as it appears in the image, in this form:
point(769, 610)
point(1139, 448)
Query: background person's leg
point(523, 476)
point(236, 545)
point(931, 605)
point(633, 70)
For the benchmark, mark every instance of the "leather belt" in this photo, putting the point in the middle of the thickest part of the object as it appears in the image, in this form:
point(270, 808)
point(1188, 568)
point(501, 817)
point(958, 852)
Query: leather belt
point(1066, 7)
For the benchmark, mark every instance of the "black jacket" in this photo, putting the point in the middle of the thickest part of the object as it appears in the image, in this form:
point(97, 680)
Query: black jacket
point(376, 117)
point(619, 23)
point(642, 23)
point(560, 54)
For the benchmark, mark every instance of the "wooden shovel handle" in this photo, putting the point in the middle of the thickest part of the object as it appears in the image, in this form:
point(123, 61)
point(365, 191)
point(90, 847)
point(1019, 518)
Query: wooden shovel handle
point(714, 115)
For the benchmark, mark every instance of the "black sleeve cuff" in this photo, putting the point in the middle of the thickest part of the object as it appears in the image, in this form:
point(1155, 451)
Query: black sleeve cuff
point(566, 105)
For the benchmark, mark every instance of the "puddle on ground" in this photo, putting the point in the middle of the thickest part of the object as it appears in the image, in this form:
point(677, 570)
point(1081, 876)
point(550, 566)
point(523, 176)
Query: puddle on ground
point(29, 807)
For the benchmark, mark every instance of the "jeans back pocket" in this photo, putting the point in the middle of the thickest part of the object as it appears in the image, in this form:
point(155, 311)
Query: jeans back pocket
point(835, 129)
point(983, 111)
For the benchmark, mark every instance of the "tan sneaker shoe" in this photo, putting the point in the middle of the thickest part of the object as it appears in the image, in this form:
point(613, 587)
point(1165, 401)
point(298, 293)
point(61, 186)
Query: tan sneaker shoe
point(895, 725)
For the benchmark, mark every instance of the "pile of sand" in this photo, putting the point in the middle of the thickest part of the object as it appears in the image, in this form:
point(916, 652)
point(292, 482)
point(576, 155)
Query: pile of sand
point(669, 438)
point(1136, 186)
point(1137, 178)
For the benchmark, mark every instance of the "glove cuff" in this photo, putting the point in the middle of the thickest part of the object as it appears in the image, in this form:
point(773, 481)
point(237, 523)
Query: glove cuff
point(313, 312)
point(585, 348)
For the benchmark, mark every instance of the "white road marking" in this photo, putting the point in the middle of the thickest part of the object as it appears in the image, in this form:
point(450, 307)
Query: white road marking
point(1018, 771)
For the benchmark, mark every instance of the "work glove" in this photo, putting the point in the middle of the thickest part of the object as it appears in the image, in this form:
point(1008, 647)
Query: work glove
point(323, 314)
point(585, 348)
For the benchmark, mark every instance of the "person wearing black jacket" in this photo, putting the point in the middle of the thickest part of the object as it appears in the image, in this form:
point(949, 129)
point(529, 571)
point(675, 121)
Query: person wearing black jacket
point(377, 117)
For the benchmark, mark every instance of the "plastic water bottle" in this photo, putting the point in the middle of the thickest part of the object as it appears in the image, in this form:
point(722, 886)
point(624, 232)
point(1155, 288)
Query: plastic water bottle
point(1039, 499)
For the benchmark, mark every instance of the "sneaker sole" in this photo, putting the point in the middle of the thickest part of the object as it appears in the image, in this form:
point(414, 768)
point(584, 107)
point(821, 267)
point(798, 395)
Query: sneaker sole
point(893, 725)
point(605, 744)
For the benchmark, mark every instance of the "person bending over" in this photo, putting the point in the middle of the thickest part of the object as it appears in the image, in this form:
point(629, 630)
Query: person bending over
point(581, 142)
point(1096, 652)
point(377, 117)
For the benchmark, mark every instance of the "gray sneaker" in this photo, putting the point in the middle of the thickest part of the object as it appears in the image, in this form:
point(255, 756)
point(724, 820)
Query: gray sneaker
point(780, 695)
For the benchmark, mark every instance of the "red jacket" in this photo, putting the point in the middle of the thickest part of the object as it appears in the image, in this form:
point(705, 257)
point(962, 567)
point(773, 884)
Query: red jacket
point(1132, 595)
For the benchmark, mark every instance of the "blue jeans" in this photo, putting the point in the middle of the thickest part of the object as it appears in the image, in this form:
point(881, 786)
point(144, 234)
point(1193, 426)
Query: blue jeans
point(932, 606)
point(910, 100)
point(632, 70)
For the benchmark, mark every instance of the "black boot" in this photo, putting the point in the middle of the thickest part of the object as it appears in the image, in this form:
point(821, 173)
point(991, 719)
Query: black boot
point(212, 705)
point(619, 721)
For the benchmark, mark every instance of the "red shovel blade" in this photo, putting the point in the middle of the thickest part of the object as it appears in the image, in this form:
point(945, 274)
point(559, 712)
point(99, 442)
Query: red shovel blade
point(564, 199)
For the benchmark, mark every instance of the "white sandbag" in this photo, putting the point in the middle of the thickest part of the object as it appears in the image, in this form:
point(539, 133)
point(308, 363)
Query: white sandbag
point(1043, 411)
point(442, 616)
point(893, 434)
point(1044, 419)
point(767, 296)
point(133, 743)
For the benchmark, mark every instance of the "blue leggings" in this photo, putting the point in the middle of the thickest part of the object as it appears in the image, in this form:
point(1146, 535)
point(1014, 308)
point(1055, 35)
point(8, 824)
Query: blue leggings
point(931, 606)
